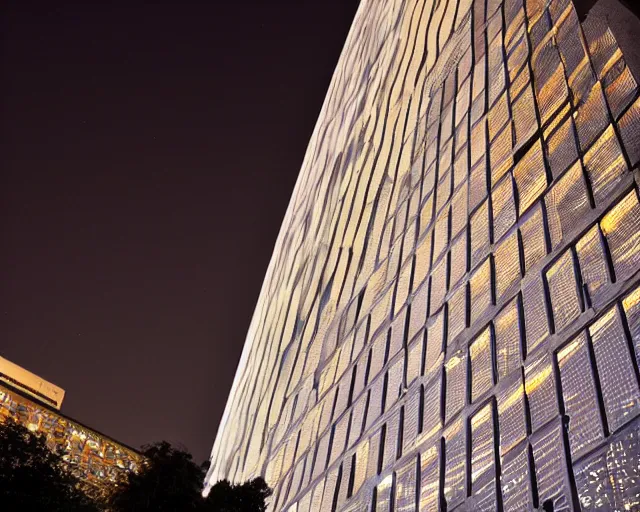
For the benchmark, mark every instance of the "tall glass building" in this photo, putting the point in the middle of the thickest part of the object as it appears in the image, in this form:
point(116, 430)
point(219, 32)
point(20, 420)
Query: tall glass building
point(451, 317)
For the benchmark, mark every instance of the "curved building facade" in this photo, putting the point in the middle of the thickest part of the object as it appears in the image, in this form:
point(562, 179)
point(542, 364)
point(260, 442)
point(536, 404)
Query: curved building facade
point(451, 316)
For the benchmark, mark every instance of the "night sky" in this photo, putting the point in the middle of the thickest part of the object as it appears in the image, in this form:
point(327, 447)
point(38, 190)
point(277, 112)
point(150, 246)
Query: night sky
point(147, 157)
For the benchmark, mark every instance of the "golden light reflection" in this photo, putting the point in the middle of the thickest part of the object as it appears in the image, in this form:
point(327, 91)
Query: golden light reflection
point(632, 300)
point(442, 198)
point(538, 379)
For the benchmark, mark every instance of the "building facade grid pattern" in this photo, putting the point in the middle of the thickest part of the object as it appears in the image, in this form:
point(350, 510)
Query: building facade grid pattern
point(451, 317)
point(98, 461)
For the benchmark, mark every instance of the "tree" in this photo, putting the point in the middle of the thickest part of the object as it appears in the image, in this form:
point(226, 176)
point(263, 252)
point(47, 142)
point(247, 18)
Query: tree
point(171, 481)
point(33, 477)
point(248, 497)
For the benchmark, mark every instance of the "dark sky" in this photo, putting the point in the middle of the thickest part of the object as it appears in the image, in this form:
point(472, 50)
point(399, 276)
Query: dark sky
point(147, 156)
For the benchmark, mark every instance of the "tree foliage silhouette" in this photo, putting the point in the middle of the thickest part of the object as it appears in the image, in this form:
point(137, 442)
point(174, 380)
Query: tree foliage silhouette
point(171, 481)
point(33, 477)
point(248, 497)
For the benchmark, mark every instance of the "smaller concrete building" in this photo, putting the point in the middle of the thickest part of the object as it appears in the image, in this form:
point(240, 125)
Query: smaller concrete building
point(35, 403)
